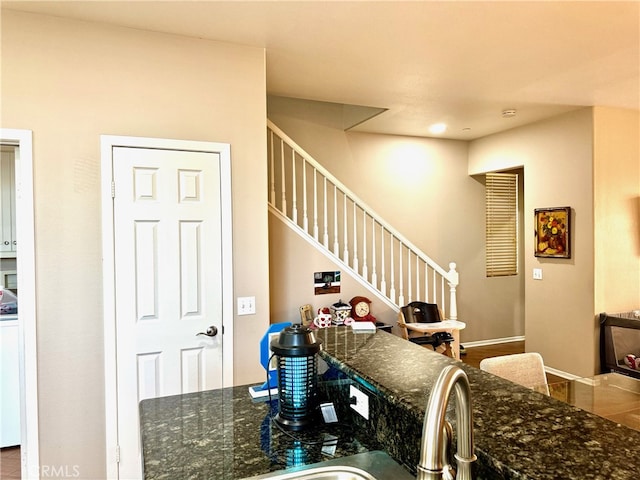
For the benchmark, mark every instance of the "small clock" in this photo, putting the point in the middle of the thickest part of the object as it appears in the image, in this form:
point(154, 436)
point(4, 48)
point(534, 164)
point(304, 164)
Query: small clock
point(360, 310)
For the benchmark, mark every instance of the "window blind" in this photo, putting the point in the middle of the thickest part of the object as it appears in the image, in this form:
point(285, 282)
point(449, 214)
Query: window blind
point(501, 224)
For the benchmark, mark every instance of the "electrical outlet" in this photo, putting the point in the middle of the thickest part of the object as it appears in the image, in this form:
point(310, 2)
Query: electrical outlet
point(361, 403)
point(537, 274)
point(246, 305)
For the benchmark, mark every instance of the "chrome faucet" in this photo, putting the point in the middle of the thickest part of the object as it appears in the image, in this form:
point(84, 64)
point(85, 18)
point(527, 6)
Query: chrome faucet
point(436, 430)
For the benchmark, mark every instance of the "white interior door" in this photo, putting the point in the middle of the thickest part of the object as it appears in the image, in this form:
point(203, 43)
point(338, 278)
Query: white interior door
point(168, 282)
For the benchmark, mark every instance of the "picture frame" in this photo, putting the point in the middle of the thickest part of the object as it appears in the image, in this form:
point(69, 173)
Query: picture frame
point(552, 232)
point(326, 282)
point(306, 315)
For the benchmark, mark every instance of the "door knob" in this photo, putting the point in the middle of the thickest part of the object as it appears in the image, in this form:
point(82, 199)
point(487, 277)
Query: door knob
point(212, 331)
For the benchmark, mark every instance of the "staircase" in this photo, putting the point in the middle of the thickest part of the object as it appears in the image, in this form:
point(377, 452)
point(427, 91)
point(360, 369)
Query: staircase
point(315, 203)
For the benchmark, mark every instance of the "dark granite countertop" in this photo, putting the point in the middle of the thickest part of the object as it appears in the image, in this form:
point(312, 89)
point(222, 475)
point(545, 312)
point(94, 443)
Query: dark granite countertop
point(224, 434)
point(519, 434)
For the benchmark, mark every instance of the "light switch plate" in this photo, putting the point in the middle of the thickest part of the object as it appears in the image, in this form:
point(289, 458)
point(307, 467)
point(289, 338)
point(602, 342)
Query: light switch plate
point(537, 274)
point(361, 404)
point(246, 305)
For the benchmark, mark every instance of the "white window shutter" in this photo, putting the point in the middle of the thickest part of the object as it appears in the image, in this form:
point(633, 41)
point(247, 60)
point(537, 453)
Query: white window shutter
point(502, 224)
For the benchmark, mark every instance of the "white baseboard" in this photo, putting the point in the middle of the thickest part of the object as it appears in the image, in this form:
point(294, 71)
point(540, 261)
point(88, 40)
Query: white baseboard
point(560, 373)
point(493, 341)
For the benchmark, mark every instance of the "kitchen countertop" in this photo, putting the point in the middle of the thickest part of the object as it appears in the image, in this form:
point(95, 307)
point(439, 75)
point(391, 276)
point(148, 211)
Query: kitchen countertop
point(519, 433)
point(224, 434)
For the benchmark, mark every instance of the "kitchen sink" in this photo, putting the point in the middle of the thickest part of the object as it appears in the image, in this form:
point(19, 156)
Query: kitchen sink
point(376, 465)
point(323, 473)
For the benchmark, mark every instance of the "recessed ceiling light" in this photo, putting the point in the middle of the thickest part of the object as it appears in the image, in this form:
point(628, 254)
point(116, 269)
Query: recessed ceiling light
point(437, 128)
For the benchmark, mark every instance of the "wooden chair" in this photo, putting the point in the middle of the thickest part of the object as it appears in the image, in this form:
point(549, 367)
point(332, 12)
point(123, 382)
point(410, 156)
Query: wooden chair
point(420, 312)
point(526, 369)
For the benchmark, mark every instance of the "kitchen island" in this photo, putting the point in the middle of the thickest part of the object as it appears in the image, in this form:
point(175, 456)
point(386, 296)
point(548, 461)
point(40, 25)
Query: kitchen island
point(223, 434)
point(519, 433)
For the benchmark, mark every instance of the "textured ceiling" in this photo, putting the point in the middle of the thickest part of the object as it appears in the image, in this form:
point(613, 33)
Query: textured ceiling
point(420, 62)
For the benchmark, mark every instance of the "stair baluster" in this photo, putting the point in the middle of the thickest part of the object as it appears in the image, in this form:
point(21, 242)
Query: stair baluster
point(333, 218)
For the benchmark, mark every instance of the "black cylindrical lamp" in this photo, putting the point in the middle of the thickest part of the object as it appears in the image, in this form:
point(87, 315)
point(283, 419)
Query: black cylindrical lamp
point(296, 351)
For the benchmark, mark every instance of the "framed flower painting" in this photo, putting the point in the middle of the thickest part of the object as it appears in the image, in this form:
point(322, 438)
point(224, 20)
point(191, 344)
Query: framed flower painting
point(553, 232)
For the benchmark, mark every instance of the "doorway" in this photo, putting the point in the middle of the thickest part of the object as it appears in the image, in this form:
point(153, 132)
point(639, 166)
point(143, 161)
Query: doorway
point(167, 260)
point(21, 143)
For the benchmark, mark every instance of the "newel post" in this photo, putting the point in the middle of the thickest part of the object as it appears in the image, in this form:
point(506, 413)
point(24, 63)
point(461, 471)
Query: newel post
point(453, 280)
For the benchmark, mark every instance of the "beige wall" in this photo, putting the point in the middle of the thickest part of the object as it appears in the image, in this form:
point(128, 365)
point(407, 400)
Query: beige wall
point(69, 82)
point(420, 186)
point(558, 171)
point(565, 160)
point(292, 278)
point(617, 209)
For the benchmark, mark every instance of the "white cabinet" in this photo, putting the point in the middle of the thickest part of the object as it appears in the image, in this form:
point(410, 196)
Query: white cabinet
point(9, 383)
point(8, 241)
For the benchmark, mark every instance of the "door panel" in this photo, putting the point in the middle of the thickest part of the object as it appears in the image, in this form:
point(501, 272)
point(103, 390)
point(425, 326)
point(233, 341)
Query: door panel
point(168, 285)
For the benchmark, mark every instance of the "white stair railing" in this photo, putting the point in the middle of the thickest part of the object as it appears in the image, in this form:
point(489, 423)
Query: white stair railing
point(360, 239)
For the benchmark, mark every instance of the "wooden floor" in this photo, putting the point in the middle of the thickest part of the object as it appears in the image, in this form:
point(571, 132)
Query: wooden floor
point(10, 463)
point(475, 354)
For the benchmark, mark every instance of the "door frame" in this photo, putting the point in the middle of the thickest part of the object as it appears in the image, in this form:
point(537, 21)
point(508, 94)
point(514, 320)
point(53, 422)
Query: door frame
point(26, 269)
point(108, 143)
